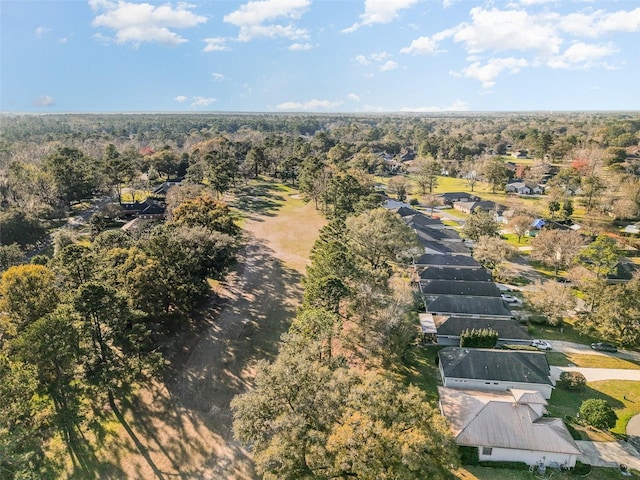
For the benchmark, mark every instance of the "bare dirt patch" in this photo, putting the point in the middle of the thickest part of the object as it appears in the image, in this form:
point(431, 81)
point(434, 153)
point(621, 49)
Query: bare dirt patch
point(184, 423)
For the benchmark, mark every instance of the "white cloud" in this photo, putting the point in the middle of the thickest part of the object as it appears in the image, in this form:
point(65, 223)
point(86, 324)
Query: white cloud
point(300, 47)
point(380, 11)
point(252, 16)
point(103, 39)
point(581, 55)
point(389, 65)
point(44, 101)
point(202, 101)
point(457, 106)
point(309, 105)
point(40, 31)
point(421, 46)
point(362, 60)
point(500, 30)
point(218, 76)
point(488, 73)
point(181, 98)
point(378, 57)
point(142, 22)
point(217, 44)
point(354, 97)
point(600, 22)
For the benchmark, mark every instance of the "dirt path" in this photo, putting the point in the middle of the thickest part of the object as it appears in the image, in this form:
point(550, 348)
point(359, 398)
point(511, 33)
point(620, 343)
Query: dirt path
point(185, 421)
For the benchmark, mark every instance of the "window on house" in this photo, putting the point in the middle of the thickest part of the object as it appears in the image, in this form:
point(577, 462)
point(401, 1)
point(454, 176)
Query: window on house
point(487, 450)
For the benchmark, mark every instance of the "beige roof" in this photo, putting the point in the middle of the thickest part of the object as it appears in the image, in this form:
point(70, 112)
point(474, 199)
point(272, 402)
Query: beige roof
point(496, 419)
point(528, 396)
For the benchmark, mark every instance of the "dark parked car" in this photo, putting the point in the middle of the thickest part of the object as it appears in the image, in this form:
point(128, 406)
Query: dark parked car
point(604, 347)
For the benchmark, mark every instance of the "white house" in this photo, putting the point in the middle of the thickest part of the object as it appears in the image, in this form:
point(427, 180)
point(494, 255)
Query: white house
point(488, 369)
point(508, 427)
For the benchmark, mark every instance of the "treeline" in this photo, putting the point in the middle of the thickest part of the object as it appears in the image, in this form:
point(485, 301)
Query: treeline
point(81, 330)
point(332, 404)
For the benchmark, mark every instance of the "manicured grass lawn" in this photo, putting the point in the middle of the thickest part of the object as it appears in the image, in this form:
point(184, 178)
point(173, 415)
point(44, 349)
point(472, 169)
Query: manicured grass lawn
point(566, 333)
point(622, 395)
point(590, 361)
point(486, 473)
point(512, 239)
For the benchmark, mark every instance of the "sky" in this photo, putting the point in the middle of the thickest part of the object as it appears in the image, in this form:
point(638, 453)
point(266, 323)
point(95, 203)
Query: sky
point(319, 56)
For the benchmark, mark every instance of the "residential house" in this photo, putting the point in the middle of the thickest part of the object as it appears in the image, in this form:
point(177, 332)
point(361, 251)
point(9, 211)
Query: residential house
point(480, 205)
point(524, 188)
point(445, 248)
point(449, 329)
point(487, 369)
point(508, 427)
point(468, 306)
point(519, 154)
point(450, 198)
point(419, 220)
point(446, 261)
point(444, 235)
point(468, 274)
point(433, 288)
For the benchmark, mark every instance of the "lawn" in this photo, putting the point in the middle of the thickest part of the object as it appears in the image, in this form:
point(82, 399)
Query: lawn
point(487, 473)
point(590, 361)
point(622, 395)
point(566, 332)
point(420, 369)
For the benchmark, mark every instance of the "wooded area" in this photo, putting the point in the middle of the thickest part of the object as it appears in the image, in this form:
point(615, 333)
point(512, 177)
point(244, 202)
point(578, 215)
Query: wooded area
point(87, 308)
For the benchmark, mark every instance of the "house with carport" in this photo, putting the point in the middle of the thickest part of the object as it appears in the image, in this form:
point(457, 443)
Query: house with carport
point(508, 426)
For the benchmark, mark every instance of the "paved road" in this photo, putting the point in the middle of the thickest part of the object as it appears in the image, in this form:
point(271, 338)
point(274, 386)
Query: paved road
point(570, 347)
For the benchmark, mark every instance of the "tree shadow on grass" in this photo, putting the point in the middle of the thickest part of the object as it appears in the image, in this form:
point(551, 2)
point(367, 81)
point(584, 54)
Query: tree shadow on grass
point(259, 199)
point(182, 426)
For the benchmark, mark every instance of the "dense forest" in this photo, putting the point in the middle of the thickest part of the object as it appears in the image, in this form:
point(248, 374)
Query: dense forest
point(87, 309)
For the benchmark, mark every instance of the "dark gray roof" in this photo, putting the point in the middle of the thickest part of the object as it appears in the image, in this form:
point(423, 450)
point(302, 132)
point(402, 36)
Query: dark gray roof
point(406, 212)
point(468, 305)
point(451, 273)
point(426, 234)
point(507, 329)
point(459, 287)
point(446, 248)
point(418, 220)
point(435, 260)
point(501, 365)
point(456, 195)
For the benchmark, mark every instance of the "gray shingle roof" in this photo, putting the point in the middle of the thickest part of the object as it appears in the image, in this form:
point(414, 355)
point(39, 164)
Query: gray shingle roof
point(469, 274)
point(500, 365)
point(468, 305)
point(459, 287)
point(435, 260)
point(507, 329)
point(446, 248)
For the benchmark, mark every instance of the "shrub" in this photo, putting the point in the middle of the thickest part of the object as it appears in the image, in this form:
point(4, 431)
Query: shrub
point(414, 202)
point(468, 455)
point(598, 413)
point(479, 338)
point(529, 348)
point(573, 381)
point(509, 465)
point(581, 469)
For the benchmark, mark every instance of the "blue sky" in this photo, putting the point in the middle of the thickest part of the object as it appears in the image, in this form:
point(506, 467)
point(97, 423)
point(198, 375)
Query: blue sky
point(319, 55)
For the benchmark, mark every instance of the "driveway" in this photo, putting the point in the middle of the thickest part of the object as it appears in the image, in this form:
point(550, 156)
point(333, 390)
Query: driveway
point(595, 374)
point(570, 347)
point(608, 454)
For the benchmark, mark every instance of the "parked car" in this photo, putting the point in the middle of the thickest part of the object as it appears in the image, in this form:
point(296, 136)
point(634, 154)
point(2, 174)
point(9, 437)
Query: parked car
point(604, 347)
point(509, 298)
point(541, 345)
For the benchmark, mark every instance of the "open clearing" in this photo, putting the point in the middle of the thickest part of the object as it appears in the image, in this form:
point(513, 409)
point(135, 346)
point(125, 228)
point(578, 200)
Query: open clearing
point(183, 423)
